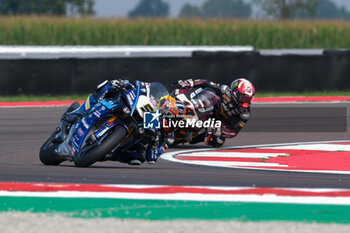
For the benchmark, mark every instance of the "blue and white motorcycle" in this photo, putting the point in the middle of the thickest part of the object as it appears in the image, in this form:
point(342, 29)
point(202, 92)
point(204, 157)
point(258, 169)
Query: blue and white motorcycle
point(103, 132)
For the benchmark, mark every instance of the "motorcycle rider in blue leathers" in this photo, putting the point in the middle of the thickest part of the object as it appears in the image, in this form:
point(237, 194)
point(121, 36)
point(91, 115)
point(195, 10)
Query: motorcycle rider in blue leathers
point(149, 149)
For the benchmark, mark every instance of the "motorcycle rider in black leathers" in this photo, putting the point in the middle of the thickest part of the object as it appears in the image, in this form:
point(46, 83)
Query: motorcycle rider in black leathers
point(151, 147)
point(233, 108)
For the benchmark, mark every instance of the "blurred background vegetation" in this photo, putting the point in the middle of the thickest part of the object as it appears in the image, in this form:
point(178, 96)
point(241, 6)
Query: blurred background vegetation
point(260, 34)
point(285, 24)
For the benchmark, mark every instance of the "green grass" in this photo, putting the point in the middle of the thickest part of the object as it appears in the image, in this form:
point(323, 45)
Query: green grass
point(25, 98)
point(306, 93)
point(88, 31)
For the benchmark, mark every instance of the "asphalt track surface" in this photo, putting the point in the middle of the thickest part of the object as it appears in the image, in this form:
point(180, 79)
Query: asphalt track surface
point(23, 130)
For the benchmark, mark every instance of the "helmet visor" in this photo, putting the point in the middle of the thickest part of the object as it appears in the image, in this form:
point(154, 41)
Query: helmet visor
point(245, 99)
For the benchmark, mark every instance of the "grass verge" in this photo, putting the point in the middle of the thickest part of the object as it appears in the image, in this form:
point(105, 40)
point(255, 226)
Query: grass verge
point(32, 98)
point(306, 93)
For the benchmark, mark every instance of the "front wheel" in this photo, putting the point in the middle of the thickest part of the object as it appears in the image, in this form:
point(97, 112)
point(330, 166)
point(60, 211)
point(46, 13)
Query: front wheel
point(98, 152)
point(47, 154)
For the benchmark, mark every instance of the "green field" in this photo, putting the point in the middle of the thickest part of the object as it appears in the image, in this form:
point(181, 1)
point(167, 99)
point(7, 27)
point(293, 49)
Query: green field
point(306, 93)
point(21, 98)
point(31, 98)
point(260, 34)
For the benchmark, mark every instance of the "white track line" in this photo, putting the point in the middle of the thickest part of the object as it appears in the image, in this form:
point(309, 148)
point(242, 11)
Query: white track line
point(170, 156)
point(233, 155)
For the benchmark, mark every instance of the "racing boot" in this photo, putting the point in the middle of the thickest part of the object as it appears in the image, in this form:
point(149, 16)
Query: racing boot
point(214, 141)
point(134, 156)
point(137, 156)
point(154, 151)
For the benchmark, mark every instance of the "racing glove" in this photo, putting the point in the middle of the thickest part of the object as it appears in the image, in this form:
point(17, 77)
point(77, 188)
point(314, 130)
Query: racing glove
point(214, 137)
point(189, 83)
point(111, 88)
point(121, 85)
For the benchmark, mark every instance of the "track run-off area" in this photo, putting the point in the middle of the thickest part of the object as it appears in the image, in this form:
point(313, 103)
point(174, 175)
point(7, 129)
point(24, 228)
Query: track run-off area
point(264, 174)
point(316, 157)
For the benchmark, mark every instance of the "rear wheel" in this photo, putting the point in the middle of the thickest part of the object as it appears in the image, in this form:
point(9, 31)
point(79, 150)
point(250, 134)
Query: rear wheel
point(91, 154)
point(47, 154)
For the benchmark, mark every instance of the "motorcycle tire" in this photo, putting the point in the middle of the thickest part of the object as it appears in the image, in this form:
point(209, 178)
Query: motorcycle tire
point(47, 154)
point(98, 152)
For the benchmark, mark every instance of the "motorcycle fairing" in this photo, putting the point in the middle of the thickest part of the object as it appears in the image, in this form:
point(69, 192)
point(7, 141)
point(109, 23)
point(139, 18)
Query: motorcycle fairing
point(199, 102)
point(139, 99)
point(133, 96)
point(106, 127)
point(82, 127)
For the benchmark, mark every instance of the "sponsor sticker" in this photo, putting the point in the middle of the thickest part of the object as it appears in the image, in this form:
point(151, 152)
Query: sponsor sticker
point(86, 125)
point(80, 132)
point(151, 120)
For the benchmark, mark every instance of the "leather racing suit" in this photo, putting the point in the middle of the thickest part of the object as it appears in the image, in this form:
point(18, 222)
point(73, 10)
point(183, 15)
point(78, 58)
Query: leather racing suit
point(149, 149)
point(232, 115)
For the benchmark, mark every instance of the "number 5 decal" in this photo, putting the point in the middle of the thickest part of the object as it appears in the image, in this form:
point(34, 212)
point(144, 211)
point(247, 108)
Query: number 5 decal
point(147, 108)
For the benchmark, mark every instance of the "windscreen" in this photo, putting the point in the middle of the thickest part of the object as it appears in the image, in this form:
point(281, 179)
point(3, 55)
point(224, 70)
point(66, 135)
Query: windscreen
point(157, 91)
